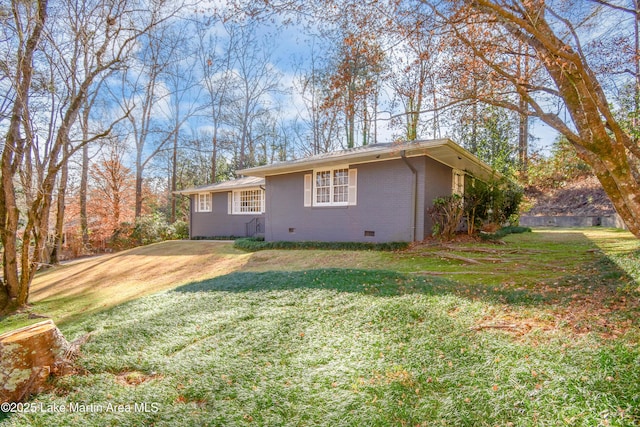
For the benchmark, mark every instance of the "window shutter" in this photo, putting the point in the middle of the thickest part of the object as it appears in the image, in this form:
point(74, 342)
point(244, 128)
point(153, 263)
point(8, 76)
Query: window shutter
point(456, 177)
point(230, 202)
point(307, 189)
point(353, 187)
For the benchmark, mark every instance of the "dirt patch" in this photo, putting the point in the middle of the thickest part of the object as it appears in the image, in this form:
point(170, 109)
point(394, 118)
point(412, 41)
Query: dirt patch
point(135, 378)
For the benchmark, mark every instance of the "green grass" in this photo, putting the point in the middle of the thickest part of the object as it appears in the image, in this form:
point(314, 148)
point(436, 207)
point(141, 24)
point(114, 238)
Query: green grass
point(543, 330)
point(78, 289)
point(254, 244)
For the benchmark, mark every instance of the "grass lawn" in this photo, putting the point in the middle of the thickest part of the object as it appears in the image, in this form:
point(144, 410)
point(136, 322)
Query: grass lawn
point(87, 286)
point(540, 331)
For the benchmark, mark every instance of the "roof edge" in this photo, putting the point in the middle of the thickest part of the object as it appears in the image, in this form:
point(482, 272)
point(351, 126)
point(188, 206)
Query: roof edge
point(359, 155)
point(235, 184)
point(374, 154)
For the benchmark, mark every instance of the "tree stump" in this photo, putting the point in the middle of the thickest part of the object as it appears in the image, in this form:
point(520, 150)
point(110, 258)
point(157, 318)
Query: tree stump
point(27, 357)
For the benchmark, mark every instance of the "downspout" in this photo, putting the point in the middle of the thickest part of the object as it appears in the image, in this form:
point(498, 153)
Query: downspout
point(192, 205)
point(414, 198)
point(264, 232)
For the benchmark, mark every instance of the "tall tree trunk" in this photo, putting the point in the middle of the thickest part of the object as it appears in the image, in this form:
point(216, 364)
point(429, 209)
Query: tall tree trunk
point(523, 138)
point(59, 230)
point(351, 119)
point(412, 118)
point(174, 177)
point(12, 293)
point(8, 209)
point(84, 182)
point(598, 138)
point(139, 167)
point(636, 92)
point(365, 125)
point(523, 128)
point(473, 147)
point(84, 178)
point(214, 156)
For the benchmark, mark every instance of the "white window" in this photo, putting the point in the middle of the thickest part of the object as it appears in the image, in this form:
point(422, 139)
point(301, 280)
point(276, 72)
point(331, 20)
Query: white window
point(340, 186)
point(203, 202)
point(331, 187)
point(458, 182)
point(246, 202)
point(323, 188)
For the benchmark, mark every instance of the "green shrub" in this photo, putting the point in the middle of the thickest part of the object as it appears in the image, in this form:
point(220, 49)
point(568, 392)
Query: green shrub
point(150, 229)
point(493, 202)
point(147, 229)
point(179, 230)
point(215, 237)
point(121, 237)
point(447, 213)
point(257, 244)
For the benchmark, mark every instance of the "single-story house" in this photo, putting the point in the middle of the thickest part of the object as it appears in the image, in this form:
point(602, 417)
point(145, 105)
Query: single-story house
point(375, 193)
point(233, 208)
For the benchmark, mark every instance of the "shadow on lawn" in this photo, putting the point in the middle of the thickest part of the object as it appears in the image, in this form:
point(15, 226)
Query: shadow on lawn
point(391, 283)
point(594, 301)
point(379, 282)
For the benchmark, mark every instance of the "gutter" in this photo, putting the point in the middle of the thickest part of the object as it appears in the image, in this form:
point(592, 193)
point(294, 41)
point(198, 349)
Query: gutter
point(414, 197)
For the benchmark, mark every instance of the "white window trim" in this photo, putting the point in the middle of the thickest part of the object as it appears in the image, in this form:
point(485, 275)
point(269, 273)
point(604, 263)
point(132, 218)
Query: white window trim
point(234, 200)
point(311, 188)
point(208, 202)
point(457, 182)
point(331, 187)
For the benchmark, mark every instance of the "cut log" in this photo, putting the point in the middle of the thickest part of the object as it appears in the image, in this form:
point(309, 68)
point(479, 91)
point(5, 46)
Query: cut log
point(27, 357)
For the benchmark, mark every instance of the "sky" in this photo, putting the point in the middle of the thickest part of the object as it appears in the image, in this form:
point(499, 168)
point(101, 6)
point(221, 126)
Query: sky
point(291, 50)
point(293, 47)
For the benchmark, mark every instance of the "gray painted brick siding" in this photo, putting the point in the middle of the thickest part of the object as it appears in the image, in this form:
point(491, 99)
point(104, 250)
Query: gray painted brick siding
point(384, 204)
point(438, 183)
point(218, 222)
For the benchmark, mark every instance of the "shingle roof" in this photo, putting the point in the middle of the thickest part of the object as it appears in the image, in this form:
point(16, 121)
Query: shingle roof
point(443, 150)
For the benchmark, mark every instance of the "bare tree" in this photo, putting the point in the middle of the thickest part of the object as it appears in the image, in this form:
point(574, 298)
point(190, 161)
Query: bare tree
point(353, 84)
point(577, 69)
point(72, 48)
point(416, 60)
point(181, 80)
point(29, 21)
point(215, 55)
point(145, 98)
point(257, 82)
point(318, 132)
point(34, 156)
point(112, 190)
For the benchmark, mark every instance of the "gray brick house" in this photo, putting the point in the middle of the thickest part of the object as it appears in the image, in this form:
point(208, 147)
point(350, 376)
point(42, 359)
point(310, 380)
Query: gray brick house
point(375, 193)
point(228, 209)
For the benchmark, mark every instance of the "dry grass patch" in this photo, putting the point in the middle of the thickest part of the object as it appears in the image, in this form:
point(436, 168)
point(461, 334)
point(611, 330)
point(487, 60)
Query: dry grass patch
point(296, 260)
point(95, 284)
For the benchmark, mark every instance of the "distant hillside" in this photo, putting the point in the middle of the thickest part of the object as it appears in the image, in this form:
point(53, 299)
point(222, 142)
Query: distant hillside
point(583, 196)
